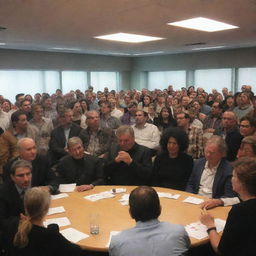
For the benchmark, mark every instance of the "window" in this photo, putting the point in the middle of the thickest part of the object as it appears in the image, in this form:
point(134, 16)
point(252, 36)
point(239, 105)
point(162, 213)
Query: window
point(161, 80)
point(13, 82)
point(99, 80)
point(72, 80)
point(246, 76)
point(213, 79)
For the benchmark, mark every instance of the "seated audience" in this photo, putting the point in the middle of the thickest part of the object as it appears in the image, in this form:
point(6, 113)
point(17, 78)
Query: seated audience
point(8, 140)
point(44, 126)
point(96, 140)
point(239, 235)
point(205, 109)
point(32, 238)
point(77, 167)
point(42, 175)
point(145, 134)
point(165, 119)
point(129, 116)
point(78, 117)
point(150, 236)
point(12, 195)
point(106, 119)
point(25, 106)
point(172, 167)
point(211, 175)
point(230, 132)
point(195, 135)
point(248, 147)
point(247, 126)
point(244, 105)
point(61, 134)
point(128, 163)
point(213, 121)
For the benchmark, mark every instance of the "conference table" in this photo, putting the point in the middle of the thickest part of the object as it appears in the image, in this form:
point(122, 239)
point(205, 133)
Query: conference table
point(113, 216)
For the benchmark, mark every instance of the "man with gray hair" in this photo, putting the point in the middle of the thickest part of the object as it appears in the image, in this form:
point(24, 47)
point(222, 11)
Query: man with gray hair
point(80, 168)
point(43, 176)
point(128, 163)
point(211, 175)
point(96, 140)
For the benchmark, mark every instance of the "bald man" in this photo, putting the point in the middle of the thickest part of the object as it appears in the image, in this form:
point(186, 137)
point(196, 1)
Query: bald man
point(42, 175)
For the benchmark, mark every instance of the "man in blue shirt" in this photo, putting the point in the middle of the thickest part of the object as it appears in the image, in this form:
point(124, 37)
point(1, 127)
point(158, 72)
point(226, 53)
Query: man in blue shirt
point(149, 236)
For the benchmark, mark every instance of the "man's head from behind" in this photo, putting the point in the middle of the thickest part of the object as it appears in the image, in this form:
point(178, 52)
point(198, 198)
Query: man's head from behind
point(144, 204)
point(21, 173)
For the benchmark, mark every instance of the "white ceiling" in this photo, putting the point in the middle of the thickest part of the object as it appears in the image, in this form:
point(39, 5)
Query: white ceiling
point(73, 24)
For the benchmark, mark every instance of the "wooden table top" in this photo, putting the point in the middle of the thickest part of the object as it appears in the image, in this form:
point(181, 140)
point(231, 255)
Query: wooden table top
point(115, 217)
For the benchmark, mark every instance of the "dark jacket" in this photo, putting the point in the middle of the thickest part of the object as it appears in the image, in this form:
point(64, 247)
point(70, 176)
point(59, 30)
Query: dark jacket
point(88, 170)
point(222, 181)
point(58, 141)
point(137, 173)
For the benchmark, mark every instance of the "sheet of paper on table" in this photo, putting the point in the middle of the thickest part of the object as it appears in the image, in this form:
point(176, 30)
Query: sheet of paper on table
point(198, 230)
point(55, 210)
point(193, 200)
point(99, 196)
point(124, 200)
point(73, 235)
point(67, 187)
point(59, 196)
point(64, 221)
point(112, 233)
point(168, 195)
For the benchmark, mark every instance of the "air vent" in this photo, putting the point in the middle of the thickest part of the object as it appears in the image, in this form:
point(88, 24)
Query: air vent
point(193, 44)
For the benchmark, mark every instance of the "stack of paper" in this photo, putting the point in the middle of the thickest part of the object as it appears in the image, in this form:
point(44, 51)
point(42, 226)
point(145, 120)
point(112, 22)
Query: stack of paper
point(199, 231)
point(168, 195)
point(55, 210)
point(99, 196)
point(67, 187)
point(61, 195)
point(193, 200)
point(73, 235)
point(64, 221)
point(124, 199)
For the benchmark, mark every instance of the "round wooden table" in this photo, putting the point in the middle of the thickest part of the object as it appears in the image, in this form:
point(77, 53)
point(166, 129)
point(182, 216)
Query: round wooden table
point(115, 217)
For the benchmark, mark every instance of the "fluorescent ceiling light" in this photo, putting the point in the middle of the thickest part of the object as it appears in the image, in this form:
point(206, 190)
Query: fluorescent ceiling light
point(65, 49)
point(2, 43)
point(128, 38)
point(208, 48)
point(203, 24)
point(147, 53)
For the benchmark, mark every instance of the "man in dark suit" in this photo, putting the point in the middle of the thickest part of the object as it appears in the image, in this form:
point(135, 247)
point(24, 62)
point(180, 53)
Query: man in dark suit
point(80, 168)
point(128, 163)
point(60, 136)
point(12, 194)
point(43, 176)
point(211, 175)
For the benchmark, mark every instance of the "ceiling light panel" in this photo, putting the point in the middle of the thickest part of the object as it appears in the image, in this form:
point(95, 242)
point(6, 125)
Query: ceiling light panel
point(203, 24)
point(129, 38)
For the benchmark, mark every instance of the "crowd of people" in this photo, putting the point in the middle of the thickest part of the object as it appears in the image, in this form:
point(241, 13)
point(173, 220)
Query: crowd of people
point(181, 139)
